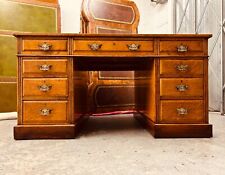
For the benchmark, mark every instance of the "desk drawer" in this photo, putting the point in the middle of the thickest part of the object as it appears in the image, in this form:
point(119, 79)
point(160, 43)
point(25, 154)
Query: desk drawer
point(181, 68)
point(181, 87)
point(45, 47)
point(45, 112)
point(45, 87)
point(107, 46)
point(181, 47)
point(43, 67)
point(181, 111)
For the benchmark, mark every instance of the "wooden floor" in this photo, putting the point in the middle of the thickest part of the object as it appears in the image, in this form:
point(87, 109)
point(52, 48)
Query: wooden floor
point(113, 145)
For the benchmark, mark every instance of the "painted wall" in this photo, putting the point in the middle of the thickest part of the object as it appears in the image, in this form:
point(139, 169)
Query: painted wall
point(153, 18)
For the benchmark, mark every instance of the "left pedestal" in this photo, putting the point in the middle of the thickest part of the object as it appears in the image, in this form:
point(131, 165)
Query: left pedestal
point(45, 89)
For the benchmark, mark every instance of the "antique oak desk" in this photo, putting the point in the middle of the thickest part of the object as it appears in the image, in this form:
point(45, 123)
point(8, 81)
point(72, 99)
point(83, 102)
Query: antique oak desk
point(171, 81)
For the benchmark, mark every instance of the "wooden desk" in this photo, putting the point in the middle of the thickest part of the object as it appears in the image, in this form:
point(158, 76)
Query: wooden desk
point(171, 81)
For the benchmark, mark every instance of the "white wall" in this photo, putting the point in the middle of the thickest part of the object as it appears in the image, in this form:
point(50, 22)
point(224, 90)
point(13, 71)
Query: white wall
point(201, 16)
point(70, 15)
point(153, 18)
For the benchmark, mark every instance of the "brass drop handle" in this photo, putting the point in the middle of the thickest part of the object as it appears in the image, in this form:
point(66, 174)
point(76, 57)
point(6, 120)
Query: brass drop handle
point(95, 46)
point(45, 88)
point(45, 111)
point(133, 47)
point(182, 87)
point(182, 48)
point(45, 67)
point(182, 67)
point(45, 46)
point(182, 111)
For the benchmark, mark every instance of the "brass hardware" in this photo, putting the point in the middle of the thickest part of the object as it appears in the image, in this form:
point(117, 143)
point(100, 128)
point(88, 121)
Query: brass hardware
point(45, 67)
point(45, 46)
point(45, 111)
point(95, 46)
point(133, 47)
point(182, 87)
point(45, 88)
point(182, 111)
point(182, 67)
point(182, 48)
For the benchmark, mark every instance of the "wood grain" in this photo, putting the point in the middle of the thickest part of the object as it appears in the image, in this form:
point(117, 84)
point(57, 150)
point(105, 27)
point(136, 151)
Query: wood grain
point(169, 68)
point(156, 96)
point(32, 67)
point(58, 87)
point(169, 113)
point(169, 87)
point(32, 112)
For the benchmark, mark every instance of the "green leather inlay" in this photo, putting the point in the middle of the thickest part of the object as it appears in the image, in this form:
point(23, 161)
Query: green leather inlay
point(7, 97)
point(7, 56)
point(27, 18)
point(15, 16)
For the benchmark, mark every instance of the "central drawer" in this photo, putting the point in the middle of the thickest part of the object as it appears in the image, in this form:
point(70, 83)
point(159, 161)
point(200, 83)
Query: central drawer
point(181, 87)
point(45, 112)
point(45, 87)
point(115, 45)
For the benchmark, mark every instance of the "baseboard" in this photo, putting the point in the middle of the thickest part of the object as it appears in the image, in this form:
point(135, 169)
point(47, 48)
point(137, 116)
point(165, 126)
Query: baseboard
point(175, 130)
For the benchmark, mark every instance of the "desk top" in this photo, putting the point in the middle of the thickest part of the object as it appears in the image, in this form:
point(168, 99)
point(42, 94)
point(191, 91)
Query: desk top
point(114, 35)
point(112, 45)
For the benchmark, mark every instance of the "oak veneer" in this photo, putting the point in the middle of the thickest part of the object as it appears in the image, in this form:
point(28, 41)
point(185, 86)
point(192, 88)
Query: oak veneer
point(170, 85)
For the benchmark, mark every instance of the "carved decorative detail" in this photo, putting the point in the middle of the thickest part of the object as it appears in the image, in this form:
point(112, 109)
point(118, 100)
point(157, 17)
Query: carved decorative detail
point(182, 87)
point(45, 112)
point(182, 111)
point(182, 67)
point(45, 46)
point(133, 47)
point(182, 48)
point(45, 88)
point(45, 67)
point(95, 46)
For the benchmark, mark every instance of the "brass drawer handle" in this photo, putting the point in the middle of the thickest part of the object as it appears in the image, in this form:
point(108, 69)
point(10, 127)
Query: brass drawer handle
point(182, 67)
point(95, 46)
point(45, 67)
point(133, 47)
point(45, 46)
point(45, 112)
point(182, 111)
point(45, 88)
point(182, 48)
point(182, 87)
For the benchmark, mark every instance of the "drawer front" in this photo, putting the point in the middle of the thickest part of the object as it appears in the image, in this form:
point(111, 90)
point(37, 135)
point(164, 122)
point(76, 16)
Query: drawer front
point(181, 111)
point(47, 47)
point(45, 112)
point(181, 47)
point(45, 67)
point(176, 68)
point(181, 87)
point(107, 46)
point(45, 87)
